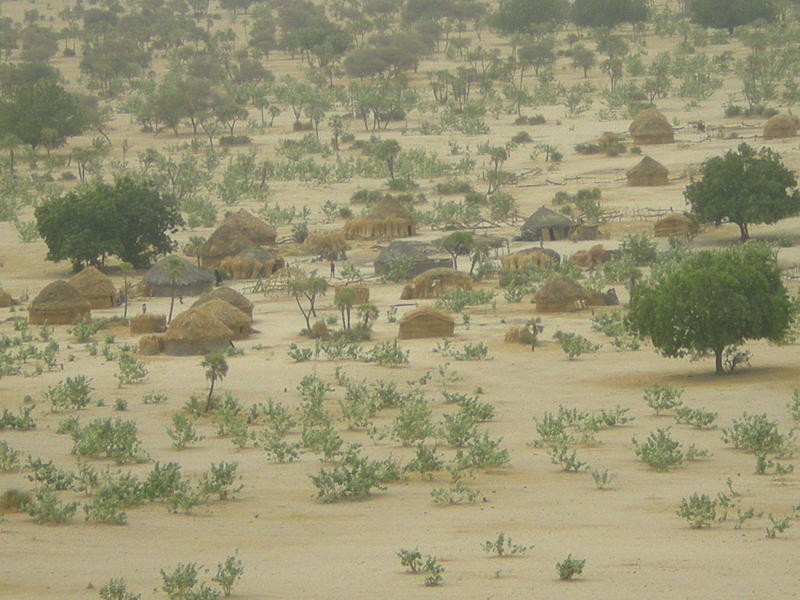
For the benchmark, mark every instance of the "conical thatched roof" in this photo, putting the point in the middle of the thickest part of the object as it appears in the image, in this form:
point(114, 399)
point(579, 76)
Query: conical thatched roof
point(546, 224)
point(58, 304)
point(676, 225)
point(230, 296)
point(425, 322)
point(252, 262)
point(5, 299)
point(648, 172)
point(780, 126)
point(96, 287)
point(231, 317)
point(436, 282)
point(560, 293)
point(651, 127)
point(197, 326)
point(237, 232)
point(189, 280)
point(390, 218)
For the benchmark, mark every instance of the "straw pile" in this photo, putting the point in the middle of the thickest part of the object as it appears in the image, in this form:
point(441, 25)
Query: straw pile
point(780, 126)
point(425, 322)
point(196, 332)
point(560, 293)
point(150, 345)
point(387, 220)
point(251, 263)
point(230, 296)
point(648, 172)
point(588, 259)
point(676, 225)
point(234, 319)
point(535, 256)
point(95, 287)
point(361, 293)
point(58, 304)
point(148, 323)
point(651, 127)
point(237, 232)
point(436, 282)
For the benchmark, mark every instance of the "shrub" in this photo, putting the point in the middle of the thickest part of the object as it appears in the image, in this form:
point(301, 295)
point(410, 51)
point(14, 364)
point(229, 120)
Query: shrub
point(458, 493)
point(277, 448)
point(9, 458)
point(504, 547)
point(130, 369)
point(425, 462)
point(47, 507)
point(85, 328)
point(14, 500)
point(228, 573)
point(453, 186)
point(574, 344)
point(49, 475)
point(794, 405)
point(162, 482)
point(659, 451)
point(699, 510)
point(73, 392)
point(185, 498)
point(569, 567)
point(640, 247)
point(602, 479)
point(22, 422)
point(522, 137)
point(117, 589)
point(433, 572)
point(104, 507)
point(457, 300)
point(662, 397)
point(458, 429)
point(413, 422)
point(778, 525)
point(755, 433)
point(560, 455)
point(180, 581)
point(411, 560)
point(182, 431)
point(387, 353)
point(695, 417)
point(482, 453)
point(117, 440)
point(154, 398)
point(221, 480)
point(355, 477)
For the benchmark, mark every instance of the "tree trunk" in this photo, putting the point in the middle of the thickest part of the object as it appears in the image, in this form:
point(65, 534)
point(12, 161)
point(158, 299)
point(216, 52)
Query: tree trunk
point(745, 234)
point(210, 394)
point(171, 304)
point(718, 361)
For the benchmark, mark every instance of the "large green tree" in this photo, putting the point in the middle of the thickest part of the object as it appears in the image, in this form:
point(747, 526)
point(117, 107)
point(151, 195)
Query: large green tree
point(728, 14)
point(527, 16)
point(712, 300)
point(130, 220)
point(744, 187)
point(608, 13)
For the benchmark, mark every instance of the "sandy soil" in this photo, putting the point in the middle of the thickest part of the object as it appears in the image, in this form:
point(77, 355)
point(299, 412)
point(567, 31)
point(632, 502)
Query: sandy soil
point(294, 547)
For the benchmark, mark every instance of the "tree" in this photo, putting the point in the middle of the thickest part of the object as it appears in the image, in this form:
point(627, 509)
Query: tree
point(129, 219)
point(583, 58)
point(525, 16)
point(307, 287)
point(175, 267)
point(344, 300)
point(729, 14)
point(126, 268)
point(458, 243)
point(712, 300)
point(608, 13)
point(744, 187)
point(388, 151)
point(216, 369)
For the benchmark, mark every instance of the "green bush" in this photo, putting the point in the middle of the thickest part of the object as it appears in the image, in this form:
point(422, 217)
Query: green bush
point(413, 423)
point(130, 369)
point(458, 493)
point(85, 329)
point(228, 573)
point(73, 392)
point(182, 431)
point(221, 480)
point(574, 344)
point(569, 567)
point(9, 458)
point(117, 589)
point(355, 477)
point(117, 440)
point(387, 353)
point(695, 417)
point(659, 451)
point(640, 247)
point(47, 507)
point(104, 507)
point(698, 510)
point(662, 397)
point(457, 300)
point(504, 547)
point(756, 433)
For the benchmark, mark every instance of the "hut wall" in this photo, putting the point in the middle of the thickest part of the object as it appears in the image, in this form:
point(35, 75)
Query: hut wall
point(148, 323)
point(56, 317)
point(425, 326)
point(150, 345)
point(186, 348)
point(165, 291)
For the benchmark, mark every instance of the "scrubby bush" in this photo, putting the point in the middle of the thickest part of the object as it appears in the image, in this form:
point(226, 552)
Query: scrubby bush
point(659, 450)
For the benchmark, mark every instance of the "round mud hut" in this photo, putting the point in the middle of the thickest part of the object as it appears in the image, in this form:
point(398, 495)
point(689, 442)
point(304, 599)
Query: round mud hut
point(195, 332)
point(436, 282)
point(93, 285)
point(547, 225)
point(591, 258)
point(58, 304)
point(417, 255)
point(651, 127)
point(189, 280)
point(425, 322)
point(251, 263)
point(5, 299)
point(327, 245)
point(389, 219)
point(237, 232)
point(560, 294)
point(234, 319)
point(148, 323)
point(536, 256)
point(780, 126)
point(648, 173)
point(676, 225)
point(231, 296)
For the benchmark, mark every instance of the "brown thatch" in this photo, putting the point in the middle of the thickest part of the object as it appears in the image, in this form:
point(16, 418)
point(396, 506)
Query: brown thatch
point(329, 245)
point(5, 299)
point(361, 293)
point(425, 322)
point(196, 332)
point(319, 330)
point(237, 232)
point(230, 296)
point(436, 282)
point(513, 334)
point(234, 319)
point(191, 281)
point(95, 287)
point(588, 259)
point(58, 304)
point(417, 254)
point(676, 225)
point(545, 224)
point(251, 263)
point(148, 323)
point(648, 172)
point(388, 219)
point(536, 256)
point(150, 345)
point(651, 127)
point(560, 293)
point(780, 126)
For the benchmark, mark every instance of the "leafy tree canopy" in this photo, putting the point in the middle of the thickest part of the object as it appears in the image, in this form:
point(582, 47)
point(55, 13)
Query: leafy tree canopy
point(712, 300)
point(525, 16)
point(728, 14)
point(130, 220)
point(608, 13)
point(744, 187)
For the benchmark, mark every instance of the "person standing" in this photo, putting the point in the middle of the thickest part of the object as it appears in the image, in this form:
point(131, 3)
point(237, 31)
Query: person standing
point(333, 269)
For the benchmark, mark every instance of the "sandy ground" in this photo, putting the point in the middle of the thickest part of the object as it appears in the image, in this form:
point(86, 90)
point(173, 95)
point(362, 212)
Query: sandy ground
point(293, 547)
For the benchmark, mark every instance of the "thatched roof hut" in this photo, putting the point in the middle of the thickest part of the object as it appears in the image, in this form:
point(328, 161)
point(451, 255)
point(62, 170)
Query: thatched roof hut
point(588, 259)
point(388, 219)
point(780, 126)
point(189, 281)
point(195, 332)
point(5, 299)
point(537, 256)
point(236, 233)
point(96, 287)
point(651, 127)
point(417, 253)
point(648, 172)
point(425, 322)
point(234, 319)
point(328, 245)
point(148, 323)
point(676, 225)
point(252, 262)
point(560, 293)
point(436, 282)
point(547, 225)
point(150, 345)
point(230, 296)
point(58, 304)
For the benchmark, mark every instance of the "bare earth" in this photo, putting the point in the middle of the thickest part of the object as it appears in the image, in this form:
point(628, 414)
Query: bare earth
point(294, 547)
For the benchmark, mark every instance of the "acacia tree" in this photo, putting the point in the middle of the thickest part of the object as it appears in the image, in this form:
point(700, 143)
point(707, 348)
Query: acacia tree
point(175, 268)
point(216, 369)
point(307, 288)
point(729, 14)
point(712, 300)
point(458, 243)
point(744, 187)
point(387, 151)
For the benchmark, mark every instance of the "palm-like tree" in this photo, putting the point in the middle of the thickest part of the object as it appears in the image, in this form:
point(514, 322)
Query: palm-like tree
point(175, 267)
point(216, 369)
point(126, 268)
